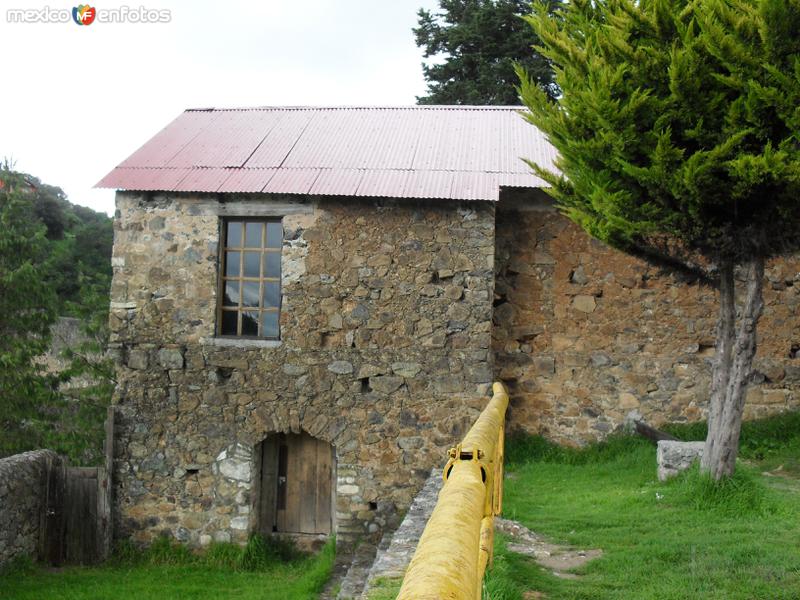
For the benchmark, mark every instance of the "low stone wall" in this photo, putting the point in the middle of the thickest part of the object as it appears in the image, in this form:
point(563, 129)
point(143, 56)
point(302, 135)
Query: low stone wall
point(21, 479)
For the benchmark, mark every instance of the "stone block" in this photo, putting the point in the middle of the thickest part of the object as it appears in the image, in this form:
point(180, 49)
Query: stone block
point(584, 304)
point(673, 457)
point(385, 384)
point(774, 396)
point(578, 276)
point(138, 359)
point(406, 369)
point(170, 358)
point(544, 365)
point(628, 401)
point(410, 443)
point(370, 371)
point(453, 292)
point(341, 367)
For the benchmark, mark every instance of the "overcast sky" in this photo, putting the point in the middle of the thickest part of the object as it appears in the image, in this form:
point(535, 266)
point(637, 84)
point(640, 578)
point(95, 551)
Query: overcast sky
point(77, 100)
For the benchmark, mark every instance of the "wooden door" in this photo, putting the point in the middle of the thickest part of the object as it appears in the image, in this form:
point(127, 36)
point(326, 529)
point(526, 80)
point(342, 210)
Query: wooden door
point(73, 524)
point(296, 484)
point(81, 522)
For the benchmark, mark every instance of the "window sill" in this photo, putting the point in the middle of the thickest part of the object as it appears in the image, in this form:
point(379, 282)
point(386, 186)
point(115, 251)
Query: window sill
point(231, 342)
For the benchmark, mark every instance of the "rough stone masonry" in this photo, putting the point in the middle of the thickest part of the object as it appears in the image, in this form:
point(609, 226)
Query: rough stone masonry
point(583, 334)
point(396, 316)
point(384, 353)
point(22, 479)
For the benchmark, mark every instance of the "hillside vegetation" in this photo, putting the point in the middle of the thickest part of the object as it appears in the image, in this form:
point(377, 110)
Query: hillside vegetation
point(55, 260)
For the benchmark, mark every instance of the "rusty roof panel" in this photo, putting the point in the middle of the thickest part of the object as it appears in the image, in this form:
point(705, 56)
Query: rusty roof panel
point(202, 180)
point(228, 140)
point(475, 186)
point(292, 181)
point(428, 184)
point(458, 152)
point(117, 178)
point(275, 147)
point(162, 148)
point(337, 182)
point(384, 182)
point(246, 180)
point(145, 179)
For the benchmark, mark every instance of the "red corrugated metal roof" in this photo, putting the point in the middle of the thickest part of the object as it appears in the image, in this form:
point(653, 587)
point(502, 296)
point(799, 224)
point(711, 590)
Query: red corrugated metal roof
point(458, 152)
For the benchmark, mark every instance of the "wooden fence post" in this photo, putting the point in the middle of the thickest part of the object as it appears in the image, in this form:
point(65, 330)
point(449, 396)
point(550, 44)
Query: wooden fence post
point(51, 517)
point(105, 490)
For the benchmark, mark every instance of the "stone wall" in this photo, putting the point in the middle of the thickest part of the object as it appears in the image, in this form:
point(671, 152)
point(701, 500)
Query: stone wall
point(21, 484)
point(385, 353)
point(67, 334)
point(584, 334)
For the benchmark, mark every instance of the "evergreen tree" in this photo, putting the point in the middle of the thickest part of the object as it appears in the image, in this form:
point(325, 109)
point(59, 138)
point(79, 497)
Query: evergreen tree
point(678, 140)
point(27, 309)
point(480, 40)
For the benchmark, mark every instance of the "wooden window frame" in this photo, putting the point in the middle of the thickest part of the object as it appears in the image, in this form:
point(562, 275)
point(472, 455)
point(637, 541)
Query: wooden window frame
point(222, 278)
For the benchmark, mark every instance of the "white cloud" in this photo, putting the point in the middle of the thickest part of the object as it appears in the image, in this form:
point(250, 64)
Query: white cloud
point(78, 100)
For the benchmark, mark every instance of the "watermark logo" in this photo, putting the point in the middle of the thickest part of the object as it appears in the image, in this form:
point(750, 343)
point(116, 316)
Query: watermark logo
point(84, 14)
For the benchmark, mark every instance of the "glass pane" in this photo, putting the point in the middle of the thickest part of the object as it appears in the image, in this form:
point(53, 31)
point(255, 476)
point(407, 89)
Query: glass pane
point(252, 235)
point(249, 323)
point(274, 235)
point(272, 264)
point(232, 264)
point(269, 324)
point(231, 294)
point(250, 293)
point(234, 237)
point(252, 264)
point(229, 322)
point(272, 294)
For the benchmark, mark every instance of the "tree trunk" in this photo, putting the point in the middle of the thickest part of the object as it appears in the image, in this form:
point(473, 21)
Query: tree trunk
point(733, 362)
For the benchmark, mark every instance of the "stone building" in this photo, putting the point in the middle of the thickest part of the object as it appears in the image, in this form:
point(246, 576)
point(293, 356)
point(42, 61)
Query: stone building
point(309, 306)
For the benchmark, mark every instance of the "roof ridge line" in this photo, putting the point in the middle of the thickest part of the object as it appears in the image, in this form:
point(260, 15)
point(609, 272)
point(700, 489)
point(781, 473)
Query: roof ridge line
point(475, 107)
point(527, 172)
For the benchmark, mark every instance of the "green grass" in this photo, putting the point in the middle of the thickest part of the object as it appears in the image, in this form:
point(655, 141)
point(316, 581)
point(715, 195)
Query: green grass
point(385, 588)
point(262, 570)
point(774, 437)
point(686, 538)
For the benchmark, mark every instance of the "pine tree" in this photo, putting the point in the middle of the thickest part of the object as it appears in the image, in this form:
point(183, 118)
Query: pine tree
point(678, 130)
point(479, 41)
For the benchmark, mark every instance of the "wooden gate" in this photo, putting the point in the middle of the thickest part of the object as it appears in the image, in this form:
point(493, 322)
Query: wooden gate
point(81, 532)
point(76, 519)
point(297, 484)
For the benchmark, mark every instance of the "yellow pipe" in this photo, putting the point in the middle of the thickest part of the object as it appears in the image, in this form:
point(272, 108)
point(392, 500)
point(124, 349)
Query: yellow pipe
point(499, 459)
point(486, 551)
point(457, 544)
point(483, 434)
point(445, 565)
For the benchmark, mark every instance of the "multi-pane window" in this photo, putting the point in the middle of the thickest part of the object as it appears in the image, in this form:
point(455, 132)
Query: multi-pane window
point(251, 278)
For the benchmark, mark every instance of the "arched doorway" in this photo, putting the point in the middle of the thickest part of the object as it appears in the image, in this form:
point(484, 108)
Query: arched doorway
point(296, 480)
